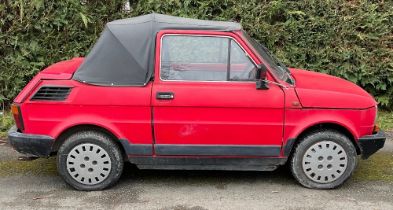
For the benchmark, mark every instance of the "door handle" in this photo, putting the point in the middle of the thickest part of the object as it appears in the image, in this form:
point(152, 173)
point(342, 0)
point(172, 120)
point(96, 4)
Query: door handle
point(165, 95)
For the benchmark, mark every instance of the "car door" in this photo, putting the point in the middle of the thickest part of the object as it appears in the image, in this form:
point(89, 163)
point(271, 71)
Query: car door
point(205, 100)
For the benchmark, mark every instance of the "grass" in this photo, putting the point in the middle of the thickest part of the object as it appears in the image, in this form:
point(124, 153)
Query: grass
point(385, 120)
point(6, 121)
point(378, 167)
point(40, 166)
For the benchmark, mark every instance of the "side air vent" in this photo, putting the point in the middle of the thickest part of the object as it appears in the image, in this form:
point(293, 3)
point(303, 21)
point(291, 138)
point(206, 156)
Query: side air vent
point(52, 93)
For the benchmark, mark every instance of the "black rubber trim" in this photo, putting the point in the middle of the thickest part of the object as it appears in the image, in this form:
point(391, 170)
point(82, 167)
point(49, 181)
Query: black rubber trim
point(136, 149)
point(288, 146)
point(219, 150)
point(370, 144)
point(35, 145)
point(51, 93)
point(208, 163)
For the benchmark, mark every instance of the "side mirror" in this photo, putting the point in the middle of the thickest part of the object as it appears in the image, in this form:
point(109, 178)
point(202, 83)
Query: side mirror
point(261, 83)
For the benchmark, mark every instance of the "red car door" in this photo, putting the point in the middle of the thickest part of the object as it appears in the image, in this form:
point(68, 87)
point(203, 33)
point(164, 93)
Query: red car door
point(205, 100)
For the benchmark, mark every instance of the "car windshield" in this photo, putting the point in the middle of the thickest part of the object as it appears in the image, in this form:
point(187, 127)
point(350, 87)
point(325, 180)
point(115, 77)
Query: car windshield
point(278, 69)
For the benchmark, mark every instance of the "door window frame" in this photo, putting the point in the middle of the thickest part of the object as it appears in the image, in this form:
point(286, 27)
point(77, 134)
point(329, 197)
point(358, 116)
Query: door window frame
point(231, 36)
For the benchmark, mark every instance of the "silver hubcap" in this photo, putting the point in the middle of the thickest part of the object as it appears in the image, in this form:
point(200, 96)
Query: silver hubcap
point(324, 162)
point(88, 164)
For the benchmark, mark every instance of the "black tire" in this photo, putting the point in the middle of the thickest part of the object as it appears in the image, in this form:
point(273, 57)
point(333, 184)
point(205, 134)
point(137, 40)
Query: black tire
point(311, 140)
point(97, 140)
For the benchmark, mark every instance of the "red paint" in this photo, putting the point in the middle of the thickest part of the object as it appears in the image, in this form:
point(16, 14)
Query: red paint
point(213, 113)
point(332, 92)
point(218, 113)
point(124, 111)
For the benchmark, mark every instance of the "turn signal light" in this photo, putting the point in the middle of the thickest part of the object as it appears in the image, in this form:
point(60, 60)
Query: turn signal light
point(15, 110)
point(376, 129)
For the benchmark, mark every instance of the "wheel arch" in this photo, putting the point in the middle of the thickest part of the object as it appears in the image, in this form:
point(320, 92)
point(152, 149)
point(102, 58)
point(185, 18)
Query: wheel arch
point(291, 143)
point(62, 137)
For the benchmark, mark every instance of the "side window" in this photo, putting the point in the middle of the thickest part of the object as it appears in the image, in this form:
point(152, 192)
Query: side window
point(204, 58)
point(195, 58)
point(241, 67)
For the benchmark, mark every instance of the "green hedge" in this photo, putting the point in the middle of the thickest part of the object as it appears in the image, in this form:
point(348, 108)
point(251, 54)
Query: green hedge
point(350, 39)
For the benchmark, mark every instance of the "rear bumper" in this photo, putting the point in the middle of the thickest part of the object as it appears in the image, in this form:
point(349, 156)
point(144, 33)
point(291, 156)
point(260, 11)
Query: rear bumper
point(36, 145)
point(370, 144)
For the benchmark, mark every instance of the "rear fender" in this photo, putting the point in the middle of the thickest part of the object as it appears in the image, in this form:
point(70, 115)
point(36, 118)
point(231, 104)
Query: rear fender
point(86, 120)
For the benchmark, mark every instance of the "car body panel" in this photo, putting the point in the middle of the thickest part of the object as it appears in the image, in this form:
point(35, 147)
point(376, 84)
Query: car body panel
point(357, 122)
point(332, 92)
point(218, 114)
point(124, 111)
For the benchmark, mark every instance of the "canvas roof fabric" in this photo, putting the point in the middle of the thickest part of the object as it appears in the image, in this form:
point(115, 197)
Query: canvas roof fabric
point(124, 54)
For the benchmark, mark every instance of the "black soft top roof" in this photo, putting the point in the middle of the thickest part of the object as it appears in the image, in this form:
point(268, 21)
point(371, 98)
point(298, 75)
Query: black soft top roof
point(124, 54)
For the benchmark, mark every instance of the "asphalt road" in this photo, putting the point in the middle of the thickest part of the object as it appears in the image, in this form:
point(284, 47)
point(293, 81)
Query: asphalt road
point(36, 185)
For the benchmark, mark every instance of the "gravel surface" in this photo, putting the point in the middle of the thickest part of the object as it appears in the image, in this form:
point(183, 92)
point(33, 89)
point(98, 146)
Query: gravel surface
point(24, 185)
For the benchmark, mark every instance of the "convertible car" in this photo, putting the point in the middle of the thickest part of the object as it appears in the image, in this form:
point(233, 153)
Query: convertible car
point(169, 93)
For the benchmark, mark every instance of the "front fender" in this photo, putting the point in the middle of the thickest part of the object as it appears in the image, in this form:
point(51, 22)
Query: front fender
point(297, 121)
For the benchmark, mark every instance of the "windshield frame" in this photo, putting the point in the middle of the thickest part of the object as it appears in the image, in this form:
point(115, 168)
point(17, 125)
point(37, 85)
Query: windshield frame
point(278, 70)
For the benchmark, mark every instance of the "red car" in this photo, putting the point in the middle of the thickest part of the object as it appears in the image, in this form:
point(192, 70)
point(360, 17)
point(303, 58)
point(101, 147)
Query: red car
point(165, 92)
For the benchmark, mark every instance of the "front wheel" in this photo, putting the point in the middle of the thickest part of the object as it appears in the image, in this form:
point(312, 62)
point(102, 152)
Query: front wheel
point(323, 160)
point(89, 161)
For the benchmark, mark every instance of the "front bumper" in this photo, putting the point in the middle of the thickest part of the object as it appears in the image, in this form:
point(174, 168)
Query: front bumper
point(36, 145)
point(370, 144)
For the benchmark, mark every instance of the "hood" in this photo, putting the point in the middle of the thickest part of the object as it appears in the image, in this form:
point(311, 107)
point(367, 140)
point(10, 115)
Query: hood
point(61, 70)
point(318, 90)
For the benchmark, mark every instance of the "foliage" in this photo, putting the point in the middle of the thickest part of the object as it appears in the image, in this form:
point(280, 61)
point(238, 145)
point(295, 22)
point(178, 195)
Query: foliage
point(385, 120)
point(350, 39)
point(35, 34)
point(6, 121)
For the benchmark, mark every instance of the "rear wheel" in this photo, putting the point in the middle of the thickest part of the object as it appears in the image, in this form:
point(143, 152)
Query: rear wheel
point(89, 161)
point(323, 160)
